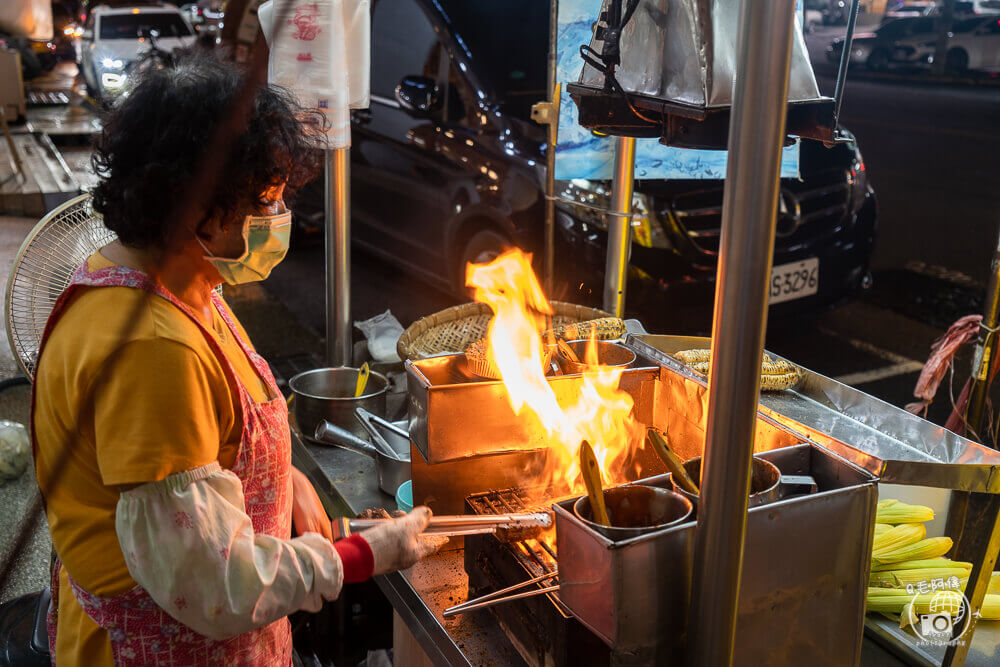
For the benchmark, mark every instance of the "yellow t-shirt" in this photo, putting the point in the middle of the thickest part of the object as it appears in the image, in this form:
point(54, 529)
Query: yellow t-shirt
point(128, 390)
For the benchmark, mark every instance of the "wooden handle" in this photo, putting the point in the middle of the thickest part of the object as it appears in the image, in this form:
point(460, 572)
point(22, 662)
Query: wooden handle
point(592, 478)
point(363, 374)
point(674, 465)
point(566, 351)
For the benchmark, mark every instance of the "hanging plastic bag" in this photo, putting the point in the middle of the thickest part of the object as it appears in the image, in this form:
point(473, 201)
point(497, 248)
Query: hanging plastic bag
point(321, 52)
point(15, 450)
point(382, 332)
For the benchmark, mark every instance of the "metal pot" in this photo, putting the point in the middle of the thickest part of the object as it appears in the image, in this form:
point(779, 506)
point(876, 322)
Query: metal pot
point(609, 354)
point(391, 471)
point(767, 484)
point(328, 393)
point(635, 509)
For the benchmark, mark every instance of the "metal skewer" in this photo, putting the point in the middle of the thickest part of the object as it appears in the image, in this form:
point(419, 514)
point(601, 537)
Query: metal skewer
point(453, 525)
point(494, 599)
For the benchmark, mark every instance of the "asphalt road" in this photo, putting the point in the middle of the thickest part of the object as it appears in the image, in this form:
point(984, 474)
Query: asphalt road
point(931, 156)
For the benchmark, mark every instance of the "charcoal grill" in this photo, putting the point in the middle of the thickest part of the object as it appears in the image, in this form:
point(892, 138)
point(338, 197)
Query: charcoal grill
point(541, 628)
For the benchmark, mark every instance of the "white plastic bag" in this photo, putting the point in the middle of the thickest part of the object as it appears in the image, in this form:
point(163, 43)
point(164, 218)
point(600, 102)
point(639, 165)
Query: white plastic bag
point(321, 52)
point(382, 332)
point(15, 450)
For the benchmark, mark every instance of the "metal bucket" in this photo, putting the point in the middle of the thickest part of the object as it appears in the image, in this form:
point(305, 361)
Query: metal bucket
point(391, 471)
point(609, 355)
point(635, 510)
point(328, 393)
point(767, 484)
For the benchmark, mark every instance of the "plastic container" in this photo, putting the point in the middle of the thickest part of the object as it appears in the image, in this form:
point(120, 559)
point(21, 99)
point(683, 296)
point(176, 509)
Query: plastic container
point(404, 496)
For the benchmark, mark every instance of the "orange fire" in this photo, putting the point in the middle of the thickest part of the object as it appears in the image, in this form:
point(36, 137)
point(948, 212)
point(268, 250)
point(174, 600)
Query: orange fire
point(597, 411)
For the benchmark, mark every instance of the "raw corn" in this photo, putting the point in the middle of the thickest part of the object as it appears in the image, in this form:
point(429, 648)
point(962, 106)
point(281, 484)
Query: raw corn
point(881, 528)
point(931, 547)
point(901, 578)
point(898, 536)
point(898, 512)
point(925, 563)
point(910, 613)
point(775, 374)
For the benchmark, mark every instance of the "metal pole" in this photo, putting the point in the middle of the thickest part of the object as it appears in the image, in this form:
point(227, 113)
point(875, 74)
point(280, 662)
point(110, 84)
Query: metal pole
point(756, 135)
point(337, 202)
point(550, 152)
point(845, 60)
point(985, 351)
point(619, 227)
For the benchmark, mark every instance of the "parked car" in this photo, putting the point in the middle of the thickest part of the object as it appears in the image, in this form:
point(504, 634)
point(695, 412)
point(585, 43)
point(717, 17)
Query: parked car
point(447, 168)
point(875, 49)
point(115, 38)
point(975, 48)
point(970, 35)
point(901, 10)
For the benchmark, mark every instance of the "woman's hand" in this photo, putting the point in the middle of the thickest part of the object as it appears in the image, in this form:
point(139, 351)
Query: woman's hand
point(308, 515)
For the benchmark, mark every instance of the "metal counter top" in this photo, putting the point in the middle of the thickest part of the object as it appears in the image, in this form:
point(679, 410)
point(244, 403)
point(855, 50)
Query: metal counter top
point(345, 482)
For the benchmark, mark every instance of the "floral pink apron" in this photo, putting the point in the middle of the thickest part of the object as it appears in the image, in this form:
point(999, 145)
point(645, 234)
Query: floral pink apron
point(141, 632)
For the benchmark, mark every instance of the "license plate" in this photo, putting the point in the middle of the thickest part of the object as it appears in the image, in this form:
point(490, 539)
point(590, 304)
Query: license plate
point(794, 280)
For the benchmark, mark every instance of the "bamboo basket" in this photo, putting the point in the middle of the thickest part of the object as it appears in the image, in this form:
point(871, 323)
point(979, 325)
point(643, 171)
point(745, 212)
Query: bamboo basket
point(452, 330)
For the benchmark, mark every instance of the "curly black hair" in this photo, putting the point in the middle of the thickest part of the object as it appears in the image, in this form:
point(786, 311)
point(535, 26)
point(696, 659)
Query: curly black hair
point(152, 153)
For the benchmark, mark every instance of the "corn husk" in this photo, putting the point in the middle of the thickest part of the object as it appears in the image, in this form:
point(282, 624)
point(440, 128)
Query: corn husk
point(931, 547)
point(923, 563)
point(901, 578)
point(898, 536)
point(897, 512)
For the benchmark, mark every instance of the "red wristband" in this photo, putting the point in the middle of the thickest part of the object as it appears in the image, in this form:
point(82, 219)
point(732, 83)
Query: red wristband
point(357, 558)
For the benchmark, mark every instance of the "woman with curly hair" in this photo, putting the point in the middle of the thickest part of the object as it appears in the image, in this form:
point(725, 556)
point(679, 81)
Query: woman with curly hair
point(161, 440)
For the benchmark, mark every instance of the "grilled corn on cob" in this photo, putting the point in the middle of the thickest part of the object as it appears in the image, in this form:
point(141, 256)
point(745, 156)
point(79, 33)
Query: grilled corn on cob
point(897, 512)
point(897, 537)
point(931, 547)
point(775, 374)
point(604, 328)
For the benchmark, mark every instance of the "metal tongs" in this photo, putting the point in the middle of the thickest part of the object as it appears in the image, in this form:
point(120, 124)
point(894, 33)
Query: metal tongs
point(455, 525)
point(497, 597)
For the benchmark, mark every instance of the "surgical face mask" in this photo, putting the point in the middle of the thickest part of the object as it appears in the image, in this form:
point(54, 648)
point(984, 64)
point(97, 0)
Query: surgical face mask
point(266, 238)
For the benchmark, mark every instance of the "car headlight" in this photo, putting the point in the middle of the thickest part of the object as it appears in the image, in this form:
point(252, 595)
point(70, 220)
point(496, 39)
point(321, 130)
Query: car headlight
point(112, 63)
point(113, 81)
point(590, 202)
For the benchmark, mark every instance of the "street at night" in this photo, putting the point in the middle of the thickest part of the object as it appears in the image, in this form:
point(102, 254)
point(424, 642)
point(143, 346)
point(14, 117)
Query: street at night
point(216, 447)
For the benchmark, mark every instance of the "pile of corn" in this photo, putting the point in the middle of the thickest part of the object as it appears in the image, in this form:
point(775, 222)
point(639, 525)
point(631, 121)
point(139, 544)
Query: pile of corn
point(909, 569)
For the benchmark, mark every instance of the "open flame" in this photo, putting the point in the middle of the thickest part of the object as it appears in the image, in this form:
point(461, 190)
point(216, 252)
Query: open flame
point(598, 411)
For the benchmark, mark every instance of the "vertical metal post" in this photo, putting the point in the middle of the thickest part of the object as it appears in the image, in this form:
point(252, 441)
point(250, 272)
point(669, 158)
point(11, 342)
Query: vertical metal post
point(337, 202)
point(554, 92)
point(756, 135)
point(985, 352)
point(619, 227)
point(845, 60)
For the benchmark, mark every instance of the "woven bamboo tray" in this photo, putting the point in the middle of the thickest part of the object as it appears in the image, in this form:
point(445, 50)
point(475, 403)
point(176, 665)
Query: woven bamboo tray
point(453, 329)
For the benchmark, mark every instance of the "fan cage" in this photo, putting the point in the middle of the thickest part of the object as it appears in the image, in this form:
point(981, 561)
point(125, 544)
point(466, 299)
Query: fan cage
point(52, 252)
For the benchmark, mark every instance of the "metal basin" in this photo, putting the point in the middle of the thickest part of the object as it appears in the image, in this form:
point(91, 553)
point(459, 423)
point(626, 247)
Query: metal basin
point(635, 510)
point(328, 393)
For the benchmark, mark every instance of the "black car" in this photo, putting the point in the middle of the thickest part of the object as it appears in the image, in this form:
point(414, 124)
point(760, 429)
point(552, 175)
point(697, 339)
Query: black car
point(447, 168)
point(875, 50)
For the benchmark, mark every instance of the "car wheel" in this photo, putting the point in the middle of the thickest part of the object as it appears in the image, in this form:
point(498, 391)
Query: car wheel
point(956, 60)
point(878, 61)
point(482, 246)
